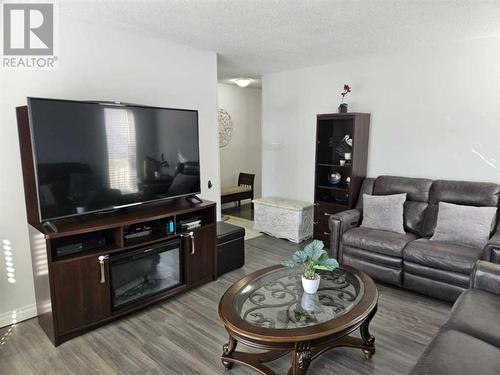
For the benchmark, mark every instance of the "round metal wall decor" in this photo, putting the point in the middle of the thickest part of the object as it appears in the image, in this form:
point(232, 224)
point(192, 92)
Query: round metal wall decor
point(225, 128)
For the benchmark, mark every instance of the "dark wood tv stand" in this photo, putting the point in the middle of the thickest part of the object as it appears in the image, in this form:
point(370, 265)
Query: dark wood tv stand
point(73, 292)
point(71, 299)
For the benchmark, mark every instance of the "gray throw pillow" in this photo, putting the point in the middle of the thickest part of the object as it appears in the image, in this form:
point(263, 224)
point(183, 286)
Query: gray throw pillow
point(384, 212)
point(464, 225)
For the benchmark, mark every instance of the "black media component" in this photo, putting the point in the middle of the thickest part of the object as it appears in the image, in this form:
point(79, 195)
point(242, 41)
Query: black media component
point(87, 241)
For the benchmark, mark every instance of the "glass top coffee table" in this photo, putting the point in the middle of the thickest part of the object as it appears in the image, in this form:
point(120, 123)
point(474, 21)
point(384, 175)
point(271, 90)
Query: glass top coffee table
point(268, 310)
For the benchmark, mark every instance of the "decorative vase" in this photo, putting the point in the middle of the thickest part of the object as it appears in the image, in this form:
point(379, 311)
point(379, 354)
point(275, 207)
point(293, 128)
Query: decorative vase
point(343, 108)
point(311, 286)
point(334, 178)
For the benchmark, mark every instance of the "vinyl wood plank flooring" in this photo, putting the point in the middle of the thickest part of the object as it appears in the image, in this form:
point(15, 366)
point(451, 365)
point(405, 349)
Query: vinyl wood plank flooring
point(184, 336)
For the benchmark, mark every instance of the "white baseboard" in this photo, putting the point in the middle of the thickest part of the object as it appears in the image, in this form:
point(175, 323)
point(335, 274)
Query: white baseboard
point(21, 313)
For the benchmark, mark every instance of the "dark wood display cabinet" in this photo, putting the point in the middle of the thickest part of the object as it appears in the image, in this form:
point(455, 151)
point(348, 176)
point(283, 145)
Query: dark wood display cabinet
point(91, 270)
point(338, 179)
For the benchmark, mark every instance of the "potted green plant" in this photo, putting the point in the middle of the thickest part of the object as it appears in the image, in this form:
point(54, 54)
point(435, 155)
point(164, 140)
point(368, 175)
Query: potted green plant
point(313, 257)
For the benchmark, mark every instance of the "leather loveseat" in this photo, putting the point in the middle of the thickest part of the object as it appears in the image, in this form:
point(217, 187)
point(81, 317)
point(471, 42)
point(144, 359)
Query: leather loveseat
point(412, 260)
point(469, 340)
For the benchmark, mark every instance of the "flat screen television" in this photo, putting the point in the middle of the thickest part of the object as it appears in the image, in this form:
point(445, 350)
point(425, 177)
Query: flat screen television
point(91, 157)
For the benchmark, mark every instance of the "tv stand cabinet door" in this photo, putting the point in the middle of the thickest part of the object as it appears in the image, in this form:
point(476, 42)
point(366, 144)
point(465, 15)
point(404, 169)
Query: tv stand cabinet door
point(82, 297)
point(200, 263)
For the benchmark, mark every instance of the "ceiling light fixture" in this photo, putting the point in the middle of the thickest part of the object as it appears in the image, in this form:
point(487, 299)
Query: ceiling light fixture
point(243, 82)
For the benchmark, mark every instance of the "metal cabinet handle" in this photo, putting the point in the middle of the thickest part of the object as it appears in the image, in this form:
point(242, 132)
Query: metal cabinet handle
point(326, 233)
point(191, 236)
point(101, 259)
point(327, 214)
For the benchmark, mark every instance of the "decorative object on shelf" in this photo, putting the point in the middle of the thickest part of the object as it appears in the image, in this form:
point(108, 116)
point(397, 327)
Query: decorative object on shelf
point(348, 181)
point(334, 178)
point(225, 128)
point(344, 147)
point(347, 157)
point(342, 162)
point(347, 139)
point(343, 106)
point(313, 257)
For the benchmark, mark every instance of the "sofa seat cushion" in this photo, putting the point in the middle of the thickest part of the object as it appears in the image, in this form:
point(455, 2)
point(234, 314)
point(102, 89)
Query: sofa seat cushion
point(372, 256)
point(476, 313)
point(452, 352)
point(377, 271)
point(449, 277)
point(442, 255)
point(425, 285)
point(379, 241)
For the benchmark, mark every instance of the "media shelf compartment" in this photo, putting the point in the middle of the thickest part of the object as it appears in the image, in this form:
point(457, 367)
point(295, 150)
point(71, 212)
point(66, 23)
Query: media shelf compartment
point(76, 245)
point(205, 218)
point(148, 232)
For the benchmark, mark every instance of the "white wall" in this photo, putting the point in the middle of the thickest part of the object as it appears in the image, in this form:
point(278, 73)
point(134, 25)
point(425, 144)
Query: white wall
point(243, 153)
point(107, 64)
point(435, 113)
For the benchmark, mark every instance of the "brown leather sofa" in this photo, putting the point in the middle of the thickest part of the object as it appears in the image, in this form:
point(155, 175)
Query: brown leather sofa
point(411, 260)
point(469, 341)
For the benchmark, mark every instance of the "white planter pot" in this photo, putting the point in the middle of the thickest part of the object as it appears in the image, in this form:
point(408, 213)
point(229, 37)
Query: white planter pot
point(311, 286)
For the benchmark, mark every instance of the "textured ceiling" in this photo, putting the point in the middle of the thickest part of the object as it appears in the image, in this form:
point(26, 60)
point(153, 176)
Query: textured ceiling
point(255, 37)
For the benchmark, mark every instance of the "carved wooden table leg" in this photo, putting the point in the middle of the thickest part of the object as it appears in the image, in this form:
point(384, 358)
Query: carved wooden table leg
point(228, 349)
point(301, 359)
point(368, 339)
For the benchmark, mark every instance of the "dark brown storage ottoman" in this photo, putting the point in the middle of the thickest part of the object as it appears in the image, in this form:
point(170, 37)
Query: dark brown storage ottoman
point(230, 247)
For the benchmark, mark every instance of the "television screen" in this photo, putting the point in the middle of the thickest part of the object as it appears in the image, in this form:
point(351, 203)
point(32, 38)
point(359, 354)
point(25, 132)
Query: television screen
point(91, 157)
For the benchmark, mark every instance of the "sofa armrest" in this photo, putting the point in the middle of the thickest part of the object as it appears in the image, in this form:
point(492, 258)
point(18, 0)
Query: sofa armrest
point(338, 224)
point(491, 252)
point(486, 276)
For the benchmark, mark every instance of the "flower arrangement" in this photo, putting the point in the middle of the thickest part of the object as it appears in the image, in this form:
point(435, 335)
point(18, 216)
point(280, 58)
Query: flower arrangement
point(343, 106)
point(347, 90)
point(313, 257)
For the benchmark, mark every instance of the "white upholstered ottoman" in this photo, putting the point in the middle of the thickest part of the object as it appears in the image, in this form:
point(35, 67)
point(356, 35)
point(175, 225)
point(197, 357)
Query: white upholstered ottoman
point(284, 218)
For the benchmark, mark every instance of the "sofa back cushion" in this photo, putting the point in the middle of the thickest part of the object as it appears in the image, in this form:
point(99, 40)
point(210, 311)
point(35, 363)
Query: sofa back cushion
point(479, 194)
point(417, 196)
